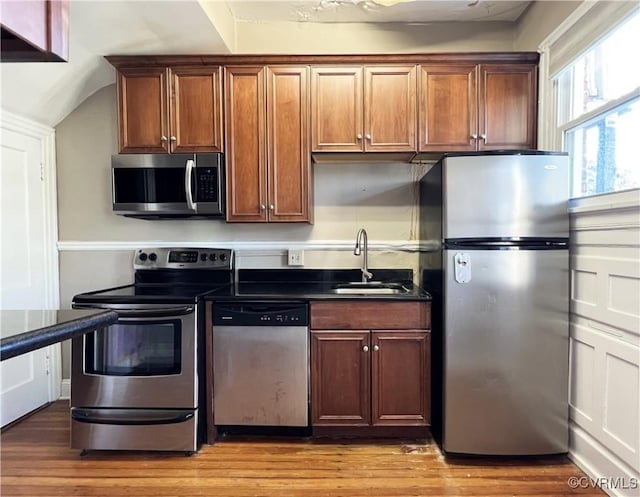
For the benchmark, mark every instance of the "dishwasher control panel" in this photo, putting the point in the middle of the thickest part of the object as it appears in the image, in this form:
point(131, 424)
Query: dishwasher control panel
point(261, 314)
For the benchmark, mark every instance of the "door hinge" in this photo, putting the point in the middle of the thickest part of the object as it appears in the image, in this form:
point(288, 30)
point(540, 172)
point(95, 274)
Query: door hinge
point(41, 171)
point(47, 365)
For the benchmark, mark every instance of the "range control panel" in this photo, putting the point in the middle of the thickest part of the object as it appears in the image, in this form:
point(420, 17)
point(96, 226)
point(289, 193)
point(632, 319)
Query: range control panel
point(261, 314)
point(183, 258)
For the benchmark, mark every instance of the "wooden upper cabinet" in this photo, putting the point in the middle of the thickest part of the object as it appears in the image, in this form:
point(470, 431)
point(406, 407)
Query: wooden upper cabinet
point(479, 107)
point(390, 108)
point(288, 152)
point(336, 109)
point(369, 103)
point(448, 108)
point(142, 110)
point(196, 114)
point(34, 31)
point(245, 143)
point(267, 150)
point(363, 109)
point(164, 110)
point(508, 106)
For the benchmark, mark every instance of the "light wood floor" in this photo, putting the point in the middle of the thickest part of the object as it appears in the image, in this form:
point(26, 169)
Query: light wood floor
point(36, 461)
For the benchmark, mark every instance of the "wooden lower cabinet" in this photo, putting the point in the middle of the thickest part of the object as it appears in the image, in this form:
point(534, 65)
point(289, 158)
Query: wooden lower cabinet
point(340, 378)
point(370, 380)
point(400, 373)
point(363, 378)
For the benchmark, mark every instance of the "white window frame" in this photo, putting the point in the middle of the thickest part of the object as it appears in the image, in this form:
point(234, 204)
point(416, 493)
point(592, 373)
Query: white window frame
point(574, 32)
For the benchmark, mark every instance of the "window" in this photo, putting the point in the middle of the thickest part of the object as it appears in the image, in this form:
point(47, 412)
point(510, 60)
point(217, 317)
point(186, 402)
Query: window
point(598, 112)
point(603, 151)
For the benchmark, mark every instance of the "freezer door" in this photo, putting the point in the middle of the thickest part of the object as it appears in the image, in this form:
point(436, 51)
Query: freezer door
point(506, 356)
point(505, 196)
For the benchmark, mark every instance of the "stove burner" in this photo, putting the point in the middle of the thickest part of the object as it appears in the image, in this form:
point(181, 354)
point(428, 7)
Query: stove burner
point(170, 275)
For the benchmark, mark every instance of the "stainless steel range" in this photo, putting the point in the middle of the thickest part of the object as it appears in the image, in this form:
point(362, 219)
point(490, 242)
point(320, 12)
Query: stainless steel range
point(137, 384)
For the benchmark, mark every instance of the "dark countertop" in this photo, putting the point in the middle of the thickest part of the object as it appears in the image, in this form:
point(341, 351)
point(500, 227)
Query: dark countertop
point(314, 284)
point(23, 331)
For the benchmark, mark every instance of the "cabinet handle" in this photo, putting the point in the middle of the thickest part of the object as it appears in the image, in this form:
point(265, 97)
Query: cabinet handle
point(262, 207)
point(474, 137)
point(272, 207)
point(376, 348)
point(368, 137)
point(365, 348)
point(173, 139)
point(483, 137)
point(163, 138)
point(359, 136)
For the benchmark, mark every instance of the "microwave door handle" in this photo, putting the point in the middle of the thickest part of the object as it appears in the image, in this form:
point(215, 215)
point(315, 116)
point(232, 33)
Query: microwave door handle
point(188, 172)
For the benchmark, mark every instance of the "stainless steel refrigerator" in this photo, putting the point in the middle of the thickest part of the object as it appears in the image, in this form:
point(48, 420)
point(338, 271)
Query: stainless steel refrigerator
point(498, 269)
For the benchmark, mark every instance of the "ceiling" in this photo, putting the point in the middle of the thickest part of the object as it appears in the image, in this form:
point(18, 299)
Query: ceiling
point(48, 92)
point(409, 11)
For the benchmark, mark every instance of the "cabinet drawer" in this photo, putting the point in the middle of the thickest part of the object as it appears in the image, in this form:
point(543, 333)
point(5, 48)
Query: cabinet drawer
point(370, 315)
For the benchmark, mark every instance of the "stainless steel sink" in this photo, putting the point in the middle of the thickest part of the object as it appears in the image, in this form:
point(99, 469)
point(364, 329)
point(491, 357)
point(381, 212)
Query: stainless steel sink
point(371, 287)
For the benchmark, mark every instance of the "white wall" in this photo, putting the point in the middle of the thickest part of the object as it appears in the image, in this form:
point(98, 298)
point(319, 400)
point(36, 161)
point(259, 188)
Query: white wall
point(605, 337)
point(539, 20)
point(348, 38)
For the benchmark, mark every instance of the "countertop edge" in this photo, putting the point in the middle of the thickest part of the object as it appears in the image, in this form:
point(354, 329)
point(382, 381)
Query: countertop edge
point(32, 340)
point(308, 297)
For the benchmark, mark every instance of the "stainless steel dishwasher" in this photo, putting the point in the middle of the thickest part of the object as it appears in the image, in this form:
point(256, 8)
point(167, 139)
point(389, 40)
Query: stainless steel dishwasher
point(261, 364)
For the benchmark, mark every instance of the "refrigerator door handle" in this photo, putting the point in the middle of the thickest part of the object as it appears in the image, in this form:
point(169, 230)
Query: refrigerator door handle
point(462, 265)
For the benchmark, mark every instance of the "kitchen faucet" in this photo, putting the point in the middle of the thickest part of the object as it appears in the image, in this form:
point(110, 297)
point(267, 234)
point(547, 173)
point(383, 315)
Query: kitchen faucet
point(362, 235)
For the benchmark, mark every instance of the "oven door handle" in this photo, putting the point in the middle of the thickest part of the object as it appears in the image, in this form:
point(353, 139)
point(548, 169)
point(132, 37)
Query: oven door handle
point(130, 417)
point(142, 313)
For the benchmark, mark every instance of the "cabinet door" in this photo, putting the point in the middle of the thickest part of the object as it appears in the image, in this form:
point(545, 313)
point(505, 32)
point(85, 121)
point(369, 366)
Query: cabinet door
point(245, 144)
point(336, 109)
point(448, 108)
point(390, 109)
point(400, 372)
point(35, 31)
point(289, 156)
point(340, 378)
point(142, 110)
point(507, 106)
point(196, 116)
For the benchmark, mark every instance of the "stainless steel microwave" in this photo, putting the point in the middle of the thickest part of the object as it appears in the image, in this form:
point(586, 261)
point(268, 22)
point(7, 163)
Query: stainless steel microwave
point(157, 186)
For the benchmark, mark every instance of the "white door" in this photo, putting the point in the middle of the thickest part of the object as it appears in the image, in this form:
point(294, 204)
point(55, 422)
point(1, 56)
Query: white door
point(24, 380)
point(26, 248)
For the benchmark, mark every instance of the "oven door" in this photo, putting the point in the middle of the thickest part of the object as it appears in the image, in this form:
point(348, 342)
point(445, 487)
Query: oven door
point(146, 360)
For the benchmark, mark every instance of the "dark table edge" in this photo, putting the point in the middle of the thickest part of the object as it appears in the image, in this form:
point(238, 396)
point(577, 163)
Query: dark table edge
point(32, 340)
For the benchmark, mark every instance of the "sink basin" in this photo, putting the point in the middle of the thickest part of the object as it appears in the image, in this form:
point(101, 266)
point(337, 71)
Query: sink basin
point(372, 287)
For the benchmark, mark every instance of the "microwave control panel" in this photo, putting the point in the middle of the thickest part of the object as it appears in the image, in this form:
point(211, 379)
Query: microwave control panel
point(207, 184)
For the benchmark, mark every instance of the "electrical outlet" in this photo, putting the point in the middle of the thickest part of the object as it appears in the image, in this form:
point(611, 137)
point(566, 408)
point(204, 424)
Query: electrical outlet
point(296, 257)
